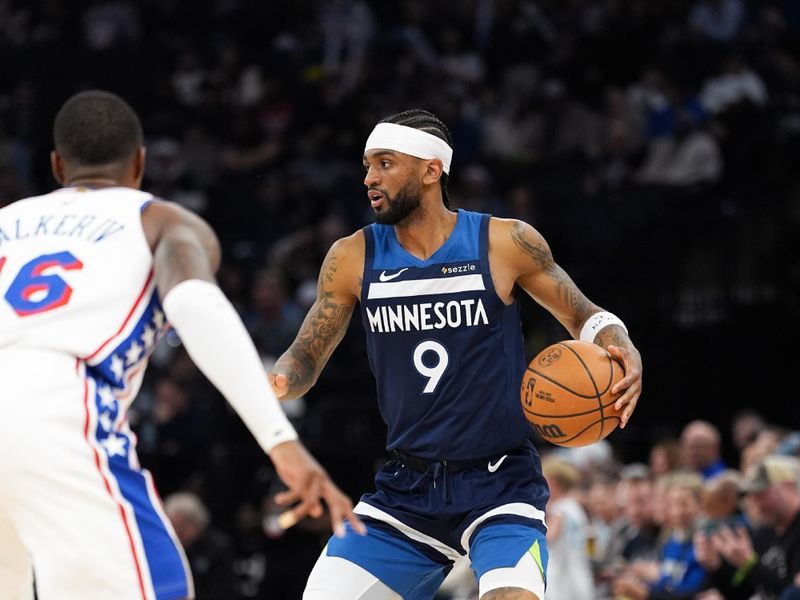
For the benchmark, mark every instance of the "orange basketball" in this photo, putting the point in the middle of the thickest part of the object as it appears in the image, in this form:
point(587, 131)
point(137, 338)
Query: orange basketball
point(566, 393)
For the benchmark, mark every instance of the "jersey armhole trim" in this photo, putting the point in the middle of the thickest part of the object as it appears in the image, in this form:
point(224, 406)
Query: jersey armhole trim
point(369, 253)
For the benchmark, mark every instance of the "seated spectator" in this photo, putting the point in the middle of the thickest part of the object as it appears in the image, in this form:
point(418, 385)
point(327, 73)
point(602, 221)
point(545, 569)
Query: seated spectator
point(742, 566)
point(764, 444)
point(738, 84)
point(676, 574)
point(691, 156)
point(745, 427)
point(208, 551)
point(604, 511)
point(720, 501)
point(569, 573)
point(701, 449)
point(665, 457)
point(717, 20)
point(635, 535)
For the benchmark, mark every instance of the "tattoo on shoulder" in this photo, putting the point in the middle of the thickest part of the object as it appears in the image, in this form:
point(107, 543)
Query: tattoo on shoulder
point(328, 270)
point(540, 253)
point(568, 292)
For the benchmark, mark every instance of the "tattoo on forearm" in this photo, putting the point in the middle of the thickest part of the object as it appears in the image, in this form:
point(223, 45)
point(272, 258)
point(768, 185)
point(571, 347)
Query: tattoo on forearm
point(568, 292)
point(613, 335)
point(322, 329)
point(505, 593)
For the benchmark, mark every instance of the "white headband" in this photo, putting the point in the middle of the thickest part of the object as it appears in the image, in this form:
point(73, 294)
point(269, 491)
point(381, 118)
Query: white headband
point(414, 142)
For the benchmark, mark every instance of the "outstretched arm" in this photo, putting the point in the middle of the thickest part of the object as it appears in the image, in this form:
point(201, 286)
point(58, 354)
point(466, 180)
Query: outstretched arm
point(185, 257)
point(326, 322)
point(540, 276)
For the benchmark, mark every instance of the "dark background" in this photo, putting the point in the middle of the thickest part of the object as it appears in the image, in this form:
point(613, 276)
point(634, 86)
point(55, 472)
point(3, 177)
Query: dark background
point(654, 143)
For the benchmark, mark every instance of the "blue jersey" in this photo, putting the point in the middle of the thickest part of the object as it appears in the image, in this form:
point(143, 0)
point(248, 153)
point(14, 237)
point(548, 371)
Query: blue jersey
point(446, 351)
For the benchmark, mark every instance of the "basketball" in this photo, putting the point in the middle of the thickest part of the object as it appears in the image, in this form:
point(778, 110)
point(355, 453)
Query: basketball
point(566, 393)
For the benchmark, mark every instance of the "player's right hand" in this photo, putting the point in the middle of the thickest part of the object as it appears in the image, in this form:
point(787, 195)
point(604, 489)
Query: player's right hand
point(279, 383)
point(309, 484)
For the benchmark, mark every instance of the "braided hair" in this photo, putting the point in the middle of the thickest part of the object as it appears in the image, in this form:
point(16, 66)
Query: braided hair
point(429, 123)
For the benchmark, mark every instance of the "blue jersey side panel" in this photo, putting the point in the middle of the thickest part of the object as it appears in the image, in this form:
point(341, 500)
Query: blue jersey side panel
point(446, 352)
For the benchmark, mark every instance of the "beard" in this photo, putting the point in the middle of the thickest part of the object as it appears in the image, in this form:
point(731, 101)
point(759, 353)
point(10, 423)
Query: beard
point(405, 202)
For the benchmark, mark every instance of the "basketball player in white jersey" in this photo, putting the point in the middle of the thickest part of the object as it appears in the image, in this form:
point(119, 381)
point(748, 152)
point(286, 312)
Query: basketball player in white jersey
point(91, 275)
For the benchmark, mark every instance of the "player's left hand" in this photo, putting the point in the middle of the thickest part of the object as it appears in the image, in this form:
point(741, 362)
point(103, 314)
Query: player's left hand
point(632, 382)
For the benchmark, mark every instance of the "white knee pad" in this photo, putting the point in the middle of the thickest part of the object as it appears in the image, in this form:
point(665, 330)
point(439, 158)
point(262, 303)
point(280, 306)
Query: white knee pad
point(525, 575)
point(334, 578)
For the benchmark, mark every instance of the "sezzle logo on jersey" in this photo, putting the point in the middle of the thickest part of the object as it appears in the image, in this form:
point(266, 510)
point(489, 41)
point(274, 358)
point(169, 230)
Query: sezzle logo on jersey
point(458, 269)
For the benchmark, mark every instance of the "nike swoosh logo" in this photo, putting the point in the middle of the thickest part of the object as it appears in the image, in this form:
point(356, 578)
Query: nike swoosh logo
point(384, 277)
point(493, 467)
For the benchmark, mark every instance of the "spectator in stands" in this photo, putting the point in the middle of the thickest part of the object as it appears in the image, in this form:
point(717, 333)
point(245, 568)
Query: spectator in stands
point(665, 457)
point(741, 565)
point(745, 427)
point(569, 573)
point(208, 551)
point(676, 574)
point(636, 535)
point(701, 448)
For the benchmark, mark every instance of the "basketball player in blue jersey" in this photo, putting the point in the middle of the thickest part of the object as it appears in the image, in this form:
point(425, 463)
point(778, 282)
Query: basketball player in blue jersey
point(437, 291)
point(91, 275)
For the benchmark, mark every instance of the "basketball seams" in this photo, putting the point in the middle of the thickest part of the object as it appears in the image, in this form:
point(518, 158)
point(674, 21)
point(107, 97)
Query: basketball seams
point(567, 416)
point(561, 385)
point(550, 389)
point(582, 431)
point(594, 385)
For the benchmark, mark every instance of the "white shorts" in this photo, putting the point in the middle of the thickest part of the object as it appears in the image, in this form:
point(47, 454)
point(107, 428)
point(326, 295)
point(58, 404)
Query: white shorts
point(74, 503)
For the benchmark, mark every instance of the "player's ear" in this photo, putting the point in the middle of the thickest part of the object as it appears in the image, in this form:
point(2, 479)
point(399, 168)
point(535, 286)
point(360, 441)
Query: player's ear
point(57, 166)
point(433, 171)
point(138, 166)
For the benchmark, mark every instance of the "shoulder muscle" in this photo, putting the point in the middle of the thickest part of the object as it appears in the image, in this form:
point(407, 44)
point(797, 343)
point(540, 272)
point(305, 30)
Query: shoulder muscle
point(184, 246)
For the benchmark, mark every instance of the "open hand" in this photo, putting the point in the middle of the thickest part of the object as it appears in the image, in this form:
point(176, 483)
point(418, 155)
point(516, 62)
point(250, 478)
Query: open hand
point(309, 484)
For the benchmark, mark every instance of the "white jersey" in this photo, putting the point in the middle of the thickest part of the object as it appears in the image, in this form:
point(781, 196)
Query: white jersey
point(76, 277)
point(79, 316)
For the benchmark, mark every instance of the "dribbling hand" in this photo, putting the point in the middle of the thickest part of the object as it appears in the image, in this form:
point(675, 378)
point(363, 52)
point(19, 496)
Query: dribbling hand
point(309, 484)
point(632, 382)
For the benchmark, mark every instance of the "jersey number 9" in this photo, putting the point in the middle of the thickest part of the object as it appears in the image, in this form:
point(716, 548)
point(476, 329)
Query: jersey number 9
point(435, 371)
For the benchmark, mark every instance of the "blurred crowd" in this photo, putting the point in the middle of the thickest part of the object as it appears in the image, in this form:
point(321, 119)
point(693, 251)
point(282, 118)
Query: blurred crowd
point(653, 142)
point(684, 525)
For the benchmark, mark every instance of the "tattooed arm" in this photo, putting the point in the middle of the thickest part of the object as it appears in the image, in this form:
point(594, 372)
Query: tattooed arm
point(326, 322)
point(525, 259)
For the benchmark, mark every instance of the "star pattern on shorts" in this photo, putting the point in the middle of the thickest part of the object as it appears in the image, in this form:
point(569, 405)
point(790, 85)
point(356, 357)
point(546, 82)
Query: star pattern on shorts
point(148, 337)
point(106, 395)
point(133, 353)
point(158, 318)
point(114, 445)
point(105, 421)
point(117, 366)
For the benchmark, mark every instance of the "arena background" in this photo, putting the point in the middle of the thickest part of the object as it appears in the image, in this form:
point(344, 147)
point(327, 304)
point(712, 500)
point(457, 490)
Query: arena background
point(654, 143)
